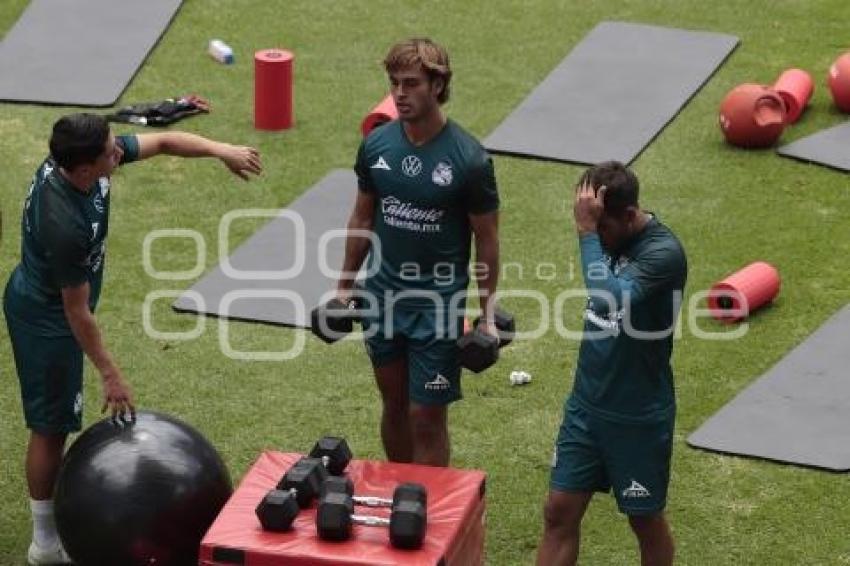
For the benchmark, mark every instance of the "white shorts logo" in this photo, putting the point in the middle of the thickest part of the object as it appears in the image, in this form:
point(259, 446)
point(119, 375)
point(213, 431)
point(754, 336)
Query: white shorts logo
point(78, 404)
point(439, 383)
point(635, 491)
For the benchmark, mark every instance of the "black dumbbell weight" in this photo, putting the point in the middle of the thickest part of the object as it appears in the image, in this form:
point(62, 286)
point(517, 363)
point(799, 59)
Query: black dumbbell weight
point(335, 319)
point(334, 453)
point(278, 510)
point(407, 522)
point(479, 350)
point(404, 491)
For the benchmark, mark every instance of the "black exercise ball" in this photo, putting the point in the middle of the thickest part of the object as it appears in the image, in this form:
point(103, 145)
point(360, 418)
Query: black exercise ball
point(139, 493)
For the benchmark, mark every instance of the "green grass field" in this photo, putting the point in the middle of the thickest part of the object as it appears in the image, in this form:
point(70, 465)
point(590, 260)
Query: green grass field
point(728, 206)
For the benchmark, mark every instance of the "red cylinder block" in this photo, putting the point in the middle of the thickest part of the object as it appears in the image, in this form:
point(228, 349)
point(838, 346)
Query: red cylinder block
point(273, 89)
point(795, 86)
point(743, 292)
point(384, 112)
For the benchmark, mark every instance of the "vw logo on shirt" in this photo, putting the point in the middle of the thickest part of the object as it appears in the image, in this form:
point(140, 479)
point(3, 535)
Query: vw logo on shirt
point(411, 166)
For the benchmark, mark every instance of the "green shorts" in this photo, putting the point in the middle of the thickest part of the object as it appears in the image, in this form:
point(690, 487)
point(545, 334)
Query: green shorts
point(594, 454)
point(50, 371)
point(429, 344)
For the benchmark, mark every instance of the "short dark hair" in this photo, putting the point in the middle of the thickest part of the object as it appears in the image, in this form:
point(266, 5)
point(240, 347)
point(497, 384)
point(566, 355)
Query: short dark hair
point(78, 139)
point(416, 51)
point(622, 185)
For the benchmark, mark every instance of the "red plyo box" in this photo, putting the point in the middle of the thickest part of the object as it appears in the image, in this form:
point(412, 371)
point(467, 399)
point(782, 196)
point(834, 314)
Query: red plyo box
point(454, 535)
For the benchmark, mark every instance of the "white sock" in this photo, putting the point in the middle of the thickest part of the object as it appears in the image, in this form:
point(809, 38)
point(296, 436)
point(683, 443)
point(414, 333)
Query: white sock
point(44, 532)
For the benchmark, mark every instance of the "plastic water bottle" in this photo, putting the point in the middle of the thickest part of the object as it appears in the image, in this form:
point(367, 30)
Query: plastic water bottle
point(221, 52)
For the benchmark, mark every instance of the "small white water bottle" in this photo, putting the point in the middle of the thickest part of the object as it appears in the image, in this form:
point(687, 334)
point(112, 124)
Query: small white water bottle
point(221, 52)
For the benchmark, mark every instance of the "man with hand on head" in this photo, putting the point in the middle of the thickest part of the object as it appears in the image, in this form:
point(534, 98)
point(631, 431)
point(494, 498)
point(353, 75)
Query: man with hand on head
point(617, 431)
point(50, 298)
point(426, 187)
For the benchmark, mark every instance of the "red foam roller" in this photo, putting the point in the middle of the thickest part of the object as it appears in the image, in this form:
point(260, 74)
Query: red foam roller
point(273, 89)
point(795, 86)
point(384, 112)
point(743, 292)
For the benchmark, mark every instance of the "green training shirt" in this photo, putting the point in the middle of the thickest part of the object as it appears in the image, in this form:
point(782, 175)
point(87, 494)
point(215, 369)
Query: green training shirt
point(424, 195)
point(623, 371)
point(63, 244)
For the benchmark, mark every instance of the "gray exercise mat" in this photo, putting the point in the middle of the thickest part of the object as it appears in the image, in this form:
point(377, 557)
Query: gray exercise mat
point(280, 269)
point(830, 147)
point(798, 412)
point(612, 94)
point(79, 52)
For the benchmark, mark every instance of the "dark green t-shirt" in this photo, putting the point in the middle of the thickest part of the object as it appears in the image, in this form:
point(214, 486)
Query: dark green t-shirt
point(424, 196)
point(63, 244)
point(623, 371)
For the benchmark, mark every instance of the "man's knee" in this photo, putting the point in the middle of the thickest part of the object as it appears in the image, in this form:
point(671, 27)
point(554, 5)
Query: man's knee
point(428, 422)
point(563, 513)
point(392, 383)
point(46, 440)
point(649, 526)
point(396, 408)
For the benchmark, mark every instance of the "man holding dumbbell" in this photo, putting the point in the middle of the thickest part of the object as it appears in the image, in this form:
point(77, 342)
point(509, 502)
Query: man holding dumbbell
point(425, 186)
point(617, 430)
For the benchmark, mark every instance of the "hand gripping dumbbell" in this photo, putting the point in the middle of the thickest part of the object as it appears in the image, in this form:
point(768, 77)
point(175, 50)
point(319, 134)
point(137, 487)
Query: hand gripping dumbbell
point(479, 350)
point(335, 319)
point(302, 483)
point(408, 516)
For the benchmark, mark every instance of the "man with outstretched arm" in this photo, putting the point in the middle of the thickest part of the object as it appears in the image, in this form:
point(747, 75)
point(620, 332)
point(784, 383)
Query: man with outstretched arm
point(50, 298)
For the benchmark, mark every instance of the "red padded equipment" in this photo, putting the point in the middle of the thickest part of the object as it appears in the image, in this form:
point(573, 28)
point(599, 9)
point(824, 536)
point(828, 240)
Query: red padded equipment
point(384, 112)
point(454, 533)
point(273, 89)
point(743, 292)
point(795, 86)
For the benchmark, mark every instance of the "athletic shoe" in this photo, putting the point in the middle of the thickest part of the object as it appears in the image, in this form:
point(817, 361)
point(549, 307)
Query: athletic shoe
point(38, 556)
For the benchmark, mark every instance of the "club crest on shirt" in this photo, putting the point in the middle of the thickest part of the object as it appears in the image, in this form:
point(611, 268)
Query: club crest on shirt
point(442, 174)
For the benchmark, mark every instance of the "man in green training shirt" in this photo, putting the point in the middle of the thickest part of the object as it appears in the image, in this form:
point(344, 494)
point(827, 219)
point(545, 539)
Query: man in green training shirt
point(617, 431)
point(50, 298)
point(425, 188)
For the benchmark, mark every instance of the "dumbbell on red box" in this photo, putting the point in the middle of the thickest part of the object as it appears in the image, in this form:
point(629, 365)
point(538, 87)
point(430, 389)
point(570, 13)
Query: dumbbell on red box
point(317, 475)
point(407, 521)
point(455, 534)
point(302, 483)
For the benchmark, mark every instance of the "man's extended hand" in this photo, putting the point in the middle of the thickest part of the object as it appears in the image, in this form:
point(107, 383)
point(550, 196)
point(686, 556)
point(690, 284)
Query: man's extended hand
point(117, 396)
point(588, 208)
point(241, 160)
